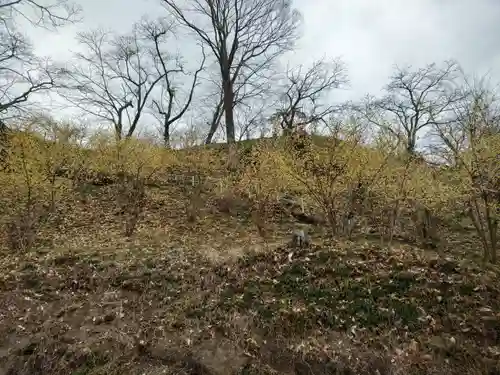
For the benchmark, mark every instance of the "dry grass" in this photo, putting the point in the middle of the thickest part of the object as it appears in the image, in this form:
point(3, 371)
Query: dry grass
point(212, 297)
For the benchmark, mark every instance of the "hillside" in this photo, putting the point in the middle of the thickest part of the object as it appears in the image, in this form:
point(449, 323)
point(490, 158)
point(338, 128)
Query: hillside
point(211, 296)
point(368, 247)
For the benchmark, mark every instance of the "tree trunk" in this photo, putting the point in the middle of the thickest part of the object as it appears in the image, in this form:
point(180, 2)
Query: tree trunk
point(412, 144)
point(211, 132)
point(228, 109)
point(287, 131)
point(166, 135)
point(118, 132)
point(215, 123)
point(3, 127)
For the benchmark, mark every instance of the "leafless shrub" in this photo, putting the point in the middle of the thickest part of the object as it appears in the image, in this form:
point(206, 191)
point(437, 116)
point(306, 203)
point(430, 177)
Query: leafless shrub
point(194, 202)
point(23, 228)
point(21, 233)
point(258, 214)
point(231, 204)
point(131, 198)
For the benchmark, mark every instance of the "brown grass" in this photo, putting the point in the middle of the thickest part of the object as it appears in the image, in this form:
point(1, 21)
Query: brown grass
point(210, 296)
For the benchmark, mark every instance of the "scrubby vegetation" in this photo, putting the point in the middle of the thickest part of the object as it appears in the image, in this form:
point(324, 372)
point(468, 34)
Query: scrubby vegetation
point(131, 257)
point(359, 238)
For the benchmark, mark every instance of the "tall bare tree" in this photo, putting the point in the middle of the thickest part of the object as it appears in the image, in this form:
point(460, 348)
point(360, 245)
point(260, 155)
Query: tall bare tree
point(302, 100)
point(243, 35)
point(415, 100)
point(167, 106)
point(249, 93)
point(22, 73)
point(113, 79)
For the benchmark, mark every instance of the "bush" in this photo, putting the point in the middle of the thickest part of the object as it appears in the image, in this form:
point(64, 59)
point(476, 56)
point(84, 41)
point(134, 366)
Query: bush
point(353, 184)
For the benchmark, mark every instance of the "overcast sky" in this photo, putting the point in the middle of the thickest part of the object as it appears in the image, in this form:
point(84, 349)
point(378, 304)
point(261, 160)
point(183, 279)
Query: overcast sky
point(370, 35)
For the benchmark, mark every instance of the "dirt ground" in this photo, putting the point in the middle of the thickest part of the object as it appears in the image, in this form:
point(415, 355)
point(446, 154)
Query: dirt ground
point(212, 297)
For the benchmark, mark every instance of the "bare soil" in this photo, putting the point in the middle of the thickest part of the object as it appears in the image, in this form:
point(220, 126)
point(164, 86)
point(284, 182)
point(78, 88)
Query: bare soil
point(212, 297)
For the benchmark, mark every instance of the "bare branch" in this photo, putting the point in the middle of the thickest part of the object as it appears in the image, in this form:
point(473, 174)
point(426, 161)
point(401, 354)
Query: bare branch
point(304, 91)
point(113, 80)
point(244, 36)
point(167, 106)
point(46, 14)
point(415, 100)
point(23, 74)
point(215, 119)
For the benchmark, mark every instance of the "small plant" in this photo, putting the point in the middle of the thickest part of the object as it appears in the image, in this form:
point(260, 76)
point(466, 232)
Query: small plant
point(22, 229)
point(132, 194)
point(22, 232)
point(194, 202)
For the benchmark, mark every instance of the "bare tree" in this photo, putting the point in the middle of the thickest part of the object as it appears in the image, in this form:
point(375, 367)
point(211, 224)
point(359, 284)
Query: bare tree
point(252, 97)
point(244, 36)
point(303, 94)
point(248, 90)
point(472, 145)
point(250, 118)
point(215, 118)
point(23, 74)
point(415, 101)
point(113, 80)
point(474, 116)
point(167, 107)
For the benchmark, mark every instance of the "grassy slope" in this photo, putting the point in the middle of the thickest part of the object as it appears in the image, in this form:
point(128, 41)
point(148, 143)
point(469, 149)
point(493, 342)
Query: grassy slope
point(212, 298)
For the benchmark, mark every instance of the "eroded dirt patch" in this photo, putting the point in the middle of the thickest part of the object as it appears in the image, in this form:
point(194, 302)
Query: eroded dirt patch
point(323, 310)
